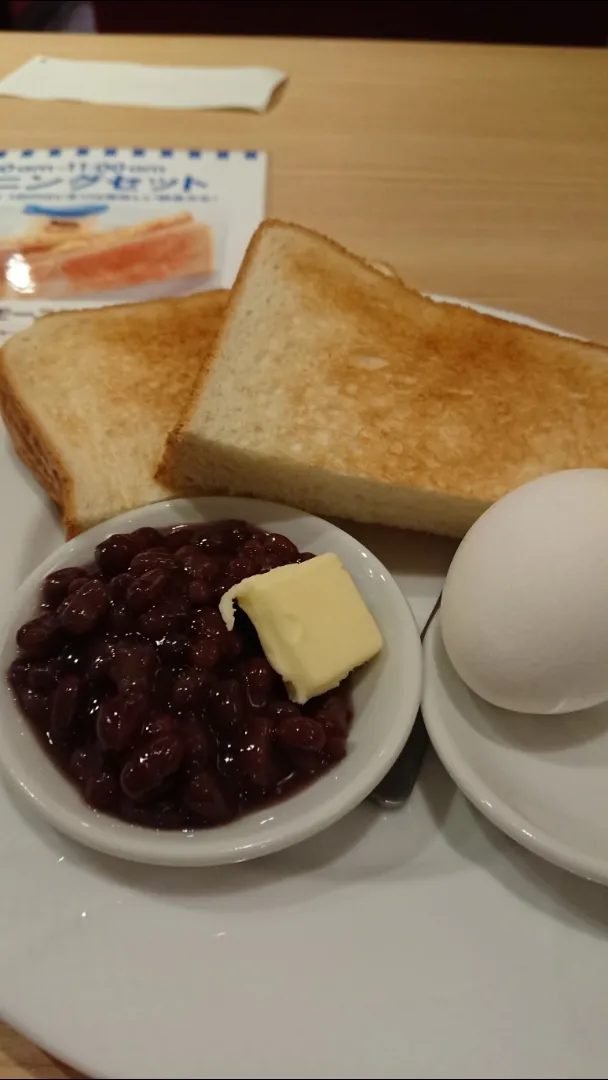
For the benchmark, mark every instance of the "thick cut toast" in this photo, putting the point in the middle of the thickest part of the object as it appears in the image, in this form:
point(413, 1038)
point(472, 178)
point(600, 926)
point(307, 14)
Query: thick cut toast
point(335, 388)
point(90, 396)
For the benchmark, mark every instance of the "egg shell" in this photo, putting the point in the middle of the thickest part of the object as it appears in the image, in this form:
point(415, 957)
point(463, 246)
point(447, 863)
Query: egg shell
point(524, 614)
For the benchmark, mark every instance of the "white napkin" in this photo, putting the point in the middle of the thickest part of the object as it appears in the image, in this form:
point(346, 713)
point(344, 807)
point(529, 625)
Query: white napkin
point(46, 78)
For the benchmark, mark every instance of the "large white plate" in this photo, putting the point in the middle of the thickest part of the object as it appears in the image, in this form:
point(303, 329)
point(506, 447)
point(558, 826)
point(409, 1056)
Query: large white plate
point(416, 944)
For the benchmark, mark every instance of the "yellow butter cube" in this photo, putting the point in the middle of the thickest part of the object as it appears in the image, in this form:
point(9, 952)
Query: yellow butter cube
point(312, 622)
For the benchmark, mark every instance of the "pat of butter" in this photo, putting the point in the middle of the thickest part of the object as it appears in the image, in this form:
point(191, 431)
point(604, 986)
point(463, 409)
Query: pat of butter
point(311, 620)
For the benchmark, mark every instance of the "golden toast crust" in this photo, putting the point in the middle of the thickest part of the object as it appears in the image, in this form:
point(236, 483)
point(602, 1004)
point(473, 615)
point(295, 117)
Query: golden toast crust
point(35, 451)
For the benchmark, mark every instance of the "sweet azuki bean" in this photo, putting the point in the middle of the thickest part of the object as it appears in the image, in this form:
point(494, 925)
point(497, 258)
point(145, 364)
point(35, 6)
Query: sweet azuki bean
point(141, 695)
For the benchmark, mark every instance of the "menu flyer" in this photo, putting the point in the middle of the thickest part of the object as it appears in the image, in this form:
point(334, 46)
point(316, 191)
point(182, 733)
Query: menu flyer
point(86, 227)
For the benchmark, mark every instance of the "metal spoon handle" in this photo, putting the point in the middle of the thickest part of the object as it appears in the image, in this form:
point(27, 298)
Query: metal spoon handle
point(396, 787)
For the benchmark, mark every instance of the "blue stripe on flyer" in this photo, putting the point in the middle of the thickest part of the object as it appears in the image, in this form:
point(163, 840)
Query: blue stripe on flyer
point(82, 151)
point(223, 154)
point(27, 153)
point(2, 153)
point(138, 151)
point(166, 153)
point(110, 151)
point(195, 153)
point(55, 152)
point(251, 153)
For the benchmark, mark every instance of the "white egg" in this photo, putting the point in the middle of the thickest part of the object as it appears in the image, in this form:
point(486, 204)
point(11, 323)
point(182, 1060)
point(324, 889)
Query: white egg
point(524, 614)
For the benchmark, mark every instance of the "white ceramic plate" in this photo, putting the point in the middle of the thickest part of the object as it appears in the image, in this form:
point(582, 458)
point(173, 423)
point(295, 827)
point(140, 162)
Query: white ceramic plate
point(386, 695)
point(415, 944)
point(542, 780)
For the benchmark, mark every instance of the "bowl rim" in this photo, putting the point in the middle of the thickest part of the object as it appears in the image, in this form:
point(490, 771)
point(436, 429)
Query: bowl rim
point(115, 837)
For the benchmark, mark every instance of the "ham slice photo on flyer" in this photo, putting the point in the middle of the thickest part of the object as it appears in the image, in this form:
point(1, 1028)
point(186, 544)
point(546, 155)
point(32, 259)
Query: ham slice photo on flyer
point(64, 255)
point(88, 227)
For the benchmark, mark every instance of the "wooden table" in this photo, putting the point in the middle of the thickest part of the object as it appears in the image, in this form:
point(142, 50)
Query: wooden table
point(476, 171)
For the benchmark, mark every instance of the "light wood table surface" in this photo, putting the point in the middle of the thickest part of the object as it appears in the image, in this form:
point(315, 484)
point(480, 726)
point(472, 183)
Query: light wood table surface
point(476, 171)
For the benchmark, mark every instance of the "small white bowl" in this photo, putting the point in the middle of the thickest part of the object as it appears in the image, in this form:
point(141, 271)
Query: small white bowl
point(386, 699)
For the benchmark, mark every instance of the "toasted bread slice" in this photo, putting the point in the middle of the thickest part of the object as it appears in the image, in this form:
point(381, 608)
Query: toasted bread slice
point(337, 389)
point(90, 396)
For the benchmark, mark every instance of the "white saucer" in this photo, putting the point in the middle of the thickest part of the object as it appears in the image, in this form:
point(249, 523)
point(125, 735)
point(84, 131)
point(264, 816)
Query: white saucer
point(542, 780)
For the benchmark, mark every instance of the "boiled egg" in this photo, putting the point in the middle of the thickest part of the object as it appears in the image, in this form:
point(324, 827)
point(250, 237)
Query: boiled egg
point(524, 614)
